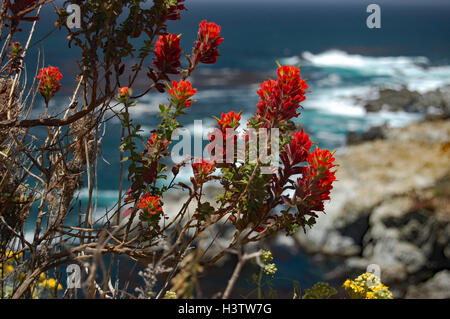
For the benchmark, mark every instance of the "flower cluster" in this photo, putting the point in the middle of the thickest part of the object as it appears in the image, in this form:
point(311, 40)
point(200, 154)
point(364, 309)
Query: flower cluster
point(150, 206)
point(206, 47)
point(9, 257)
point(270, 269)
point(181, 93)
point(320, 290)
point(170, 295)
point(317, 181)
point(49, 82)
point(124, 94)
point(51, 284)
point(229, 120)
point(297, 151)
point(202, 168)
point(266, 256)
point(367, 286)
point(168, 54)
point(279, 100)
point(155, 144)
point(314, 185)
point(224, 135)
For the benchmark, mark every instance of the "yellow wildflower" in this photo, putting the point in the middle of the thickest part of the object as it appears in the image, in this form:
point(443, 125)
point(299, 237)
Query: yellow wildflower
point(367, 286)
point(51, 284)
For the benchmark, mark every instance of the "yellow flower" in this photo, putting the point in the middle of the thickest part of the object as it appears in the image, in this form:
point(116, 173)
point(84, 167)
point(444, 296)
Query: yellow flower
point(9, 269)
point(41, 277)
point(370, 295)
point(367, 286)
point(51, 284)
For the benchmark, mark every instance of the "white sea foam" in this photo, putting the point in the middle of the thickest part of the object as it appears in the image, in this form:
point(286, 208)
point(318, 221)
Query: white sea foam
point(366, 64)
point(414, 72)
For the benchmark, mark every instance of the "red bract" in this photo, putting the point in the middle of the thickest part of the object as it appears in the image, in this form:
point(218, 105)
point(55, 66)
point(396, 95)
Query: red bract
point(156, 144)
point(123, 92)
point(202, 168)
point(181, 92)
point(298, 149)
point(229, 120)
point(280, 99)
point(228, 123)
point(315, 186)
point(150, 205)
point(49, 82)
point(206, 47)
point(168, 53)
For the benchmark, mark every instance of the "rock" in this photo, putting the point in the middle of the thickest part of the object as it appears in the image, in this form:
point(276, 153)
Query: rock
point(436, 287)
point(374, 133)
point(393, 100)
point(390, 206)
point(433, 103)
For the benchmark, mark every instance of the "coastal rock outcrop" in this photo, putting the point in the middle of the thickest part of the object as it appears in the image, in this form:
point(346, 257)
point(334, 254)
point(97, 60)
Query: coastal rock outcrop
point(433, 103)
point(390, 207)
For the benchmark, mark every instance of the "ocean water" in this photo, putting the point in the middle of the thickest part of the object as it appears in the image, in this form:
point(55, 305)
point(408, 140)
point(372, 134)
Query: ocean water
point(342, 60)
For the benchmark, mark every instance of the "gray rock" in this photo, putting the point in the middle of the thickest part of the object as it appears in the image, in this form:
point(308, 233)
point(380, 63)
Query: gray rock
point(374, 133)
point(437, 287)
point(433, 103)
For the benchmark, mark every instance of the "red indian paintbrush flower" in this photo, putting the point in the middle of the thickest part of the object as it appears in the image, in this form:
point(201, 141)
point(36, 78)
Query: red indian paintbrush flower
point(298, 148)
point(123, 92)
point(168, 53)
point(49, 82)
point(155, 144)
point(280, 99)
point(206, 47)
point(227, 137)
point(202, 168)
point(181, 92)
point(150, 205)
point(316, 184)
point(229, 120)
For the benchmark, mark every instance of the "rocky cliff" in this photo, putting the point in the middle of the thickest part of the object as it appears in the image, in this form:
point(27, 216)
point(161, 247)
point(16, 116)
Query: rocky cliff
point(391, 207)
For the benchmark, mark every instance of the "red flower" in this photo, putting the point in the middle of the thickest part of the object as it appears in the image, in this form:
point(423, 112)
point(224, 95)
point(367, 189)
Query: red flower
point(280, 99)
point(150, 205)
point(203, 168)
point(228, 123)
point(298, 149)
point(168, 53)
point(181, 92)
point(317, 182)
point(229, 120)
point(156, 144)
point(123, 92)
point(206, 47)
point(49, 82)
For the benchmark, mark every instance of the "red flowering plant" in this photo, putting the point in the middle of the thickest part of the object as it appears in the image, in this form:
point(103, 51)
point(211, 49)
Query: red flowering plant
point(263, 204)
point(49, 82)
point(257, 198)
